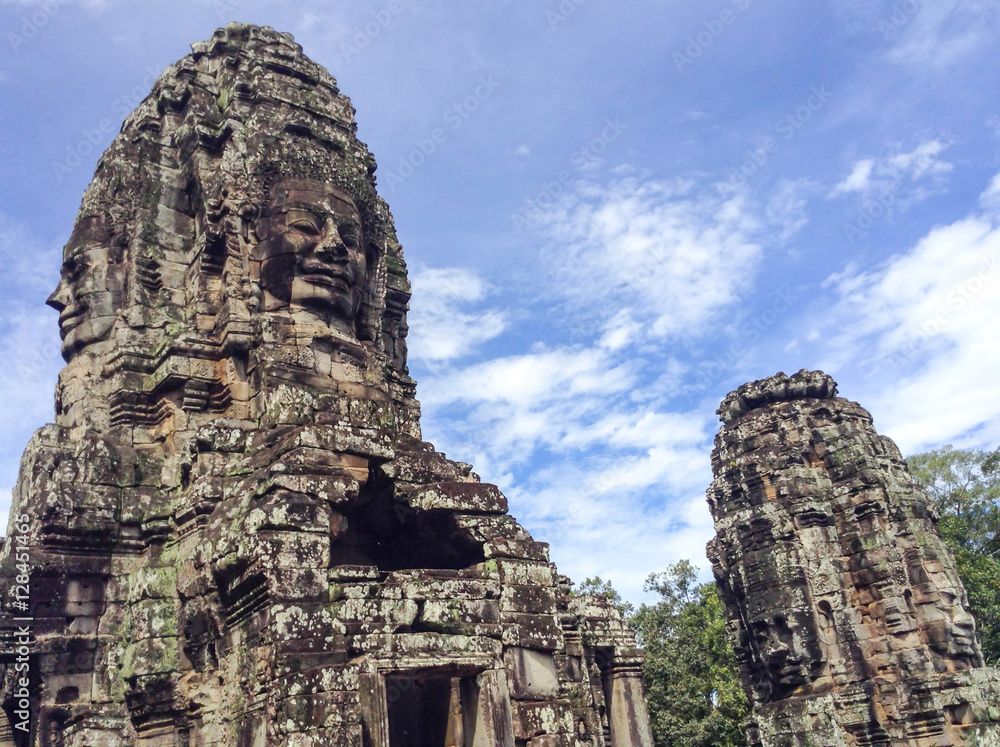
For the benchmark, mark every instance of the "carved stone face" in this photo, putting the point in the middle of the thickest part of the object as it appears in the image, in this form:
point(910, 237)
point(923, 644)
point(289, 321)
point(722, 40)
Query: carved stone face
point(790, 650)
point(785, 648)
point(945, 624)
point(89, 293)
point(311, 250)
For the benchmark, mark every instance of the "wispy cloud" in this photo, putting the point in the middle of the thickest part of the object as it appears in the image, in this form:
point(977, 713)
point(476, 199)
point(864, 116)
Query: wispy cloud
point(585, 438)
point(926, 323)
point(786, 207)
point(673, 254)
point(586, 464)
point(439, 328)
point(888, 172)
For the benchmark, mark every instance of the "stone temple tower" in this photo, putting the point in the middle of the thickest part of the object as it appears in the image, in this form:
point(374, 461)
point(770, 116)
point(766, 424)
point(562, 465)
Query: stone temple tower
point(846, 613)
point(233, 534)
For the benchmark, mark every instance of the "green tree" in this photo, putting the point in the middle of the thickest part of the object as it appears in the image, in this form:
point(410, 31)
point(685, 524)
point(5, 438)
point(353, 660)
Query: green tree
point(964, 485)
point(692, 685)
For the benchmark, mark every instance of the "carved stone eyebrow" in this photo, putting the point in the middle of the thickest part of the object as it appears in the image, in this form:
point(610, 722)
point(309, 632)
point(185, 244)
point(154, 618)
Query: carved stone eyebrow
point(74, 265)
point(284, 209)
point(319, 215)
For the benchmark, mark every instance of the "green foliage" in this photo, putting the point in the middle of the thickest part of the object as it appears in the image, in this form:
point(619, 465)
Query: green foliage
point(692, 685)
point(965, 487)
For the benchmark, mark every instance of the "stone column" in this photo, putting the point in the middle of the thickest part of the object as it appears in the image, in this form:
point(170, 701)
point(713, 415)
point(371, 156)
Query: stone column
point(486, 704)
point(628, 717)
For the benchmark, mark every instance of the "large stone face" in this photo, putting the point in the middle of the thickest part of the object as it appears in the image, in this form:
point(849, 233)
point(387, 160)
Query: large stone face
point(847, 615)
point(233, 533)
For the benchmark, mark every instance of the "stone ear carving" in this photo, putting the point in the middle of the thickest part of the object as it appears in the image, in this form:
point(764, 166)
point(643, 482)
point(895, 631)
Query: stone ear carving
point(118, 246)
point(248, 214)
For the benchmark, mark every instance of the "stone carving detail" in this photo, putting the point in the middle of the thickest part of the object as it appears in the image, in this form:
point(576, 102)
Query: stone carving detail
point(847, 615)
point(236, 535)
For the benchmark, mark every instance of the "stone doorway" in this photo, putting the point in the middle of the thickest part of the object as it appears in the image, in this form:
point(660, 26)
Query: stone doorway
point(437, 707)
point(424, 712)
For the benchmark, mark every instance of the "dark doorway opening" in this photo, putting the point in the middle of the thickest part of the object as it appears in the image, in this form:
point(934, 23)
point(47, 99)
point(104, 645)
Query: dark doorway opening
point(424, 712)
point(390, 535)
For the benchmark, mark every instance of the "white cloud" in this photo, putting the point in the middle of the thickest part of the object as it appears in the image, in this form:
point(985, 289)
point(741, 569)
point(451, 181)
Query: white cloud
point(927, 322)
point(623, 536)
point(586, 465)
point(583, 438)
point(990, 198)
point(516, 404)
point(619, 331)
point(859, 179)
point(897, 172)
point(672, 255)
point(920, 161)
point(585, 468)
point(439, 331)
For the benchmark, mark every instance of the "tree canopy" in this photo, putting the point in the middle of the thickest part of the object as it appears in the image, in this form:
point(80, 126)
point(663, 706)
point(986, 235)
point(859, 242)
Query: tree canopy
point(964, 485)
point(692, 685)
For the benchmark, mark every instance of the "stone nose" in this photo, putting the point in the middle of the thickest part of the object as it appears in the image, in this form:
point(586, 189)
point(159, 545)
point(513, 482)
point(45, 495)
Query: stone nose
point(60, 298)
point(331, 248)
point(962, 620)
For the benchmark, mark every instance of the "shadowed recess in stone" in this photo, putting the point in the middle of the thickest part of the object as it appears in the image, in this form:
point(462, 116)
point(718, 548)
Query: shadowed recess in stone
point(233, 530)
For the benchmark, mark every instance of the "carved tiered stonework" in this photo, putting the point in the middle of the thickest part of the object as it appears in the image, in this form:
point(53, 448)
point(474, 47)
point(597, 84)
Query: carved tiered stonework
point(847, 615)
point(235, 534)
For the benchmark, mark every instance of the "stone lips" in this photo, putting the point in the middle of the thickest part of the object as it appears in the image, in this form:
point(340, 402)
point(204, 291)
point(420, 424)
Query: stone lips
point(844, 607)
point(236, 533)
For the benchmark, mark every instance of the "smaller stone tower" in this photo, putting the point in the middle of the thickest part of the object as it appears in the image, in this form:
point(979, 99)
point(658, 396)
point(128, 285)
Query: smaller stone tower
point(847, 615)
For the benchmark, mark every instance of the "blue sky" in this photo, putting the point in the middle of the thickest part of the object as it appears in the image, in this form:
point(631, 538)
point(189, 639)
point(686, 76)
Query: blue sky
point(613, 214)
